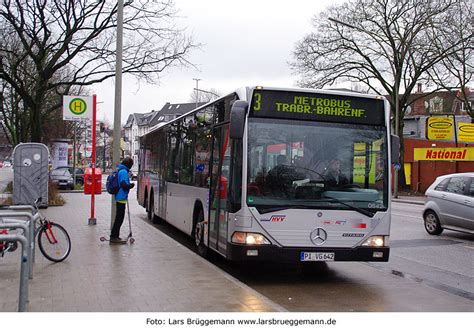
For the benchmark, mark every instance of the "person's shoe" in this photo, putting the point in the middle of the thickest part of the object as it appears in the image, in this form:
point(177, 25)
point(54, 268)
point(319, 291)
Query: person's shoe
point(118, 241)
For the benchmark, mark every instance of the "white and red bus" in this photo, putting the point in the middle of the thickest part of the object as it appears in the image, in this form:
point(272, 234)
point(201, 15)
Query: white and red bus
point(275, 174)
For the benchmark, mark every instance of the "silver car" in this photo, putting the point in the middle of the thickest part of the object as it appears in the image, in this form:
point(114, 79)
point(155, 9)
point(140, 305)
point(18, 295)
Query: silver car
point(450, 204)
point(62, 178)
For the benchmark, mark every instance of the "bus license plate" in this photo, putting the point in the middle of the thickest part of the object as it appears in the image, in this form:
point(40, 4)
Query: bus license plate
point(316, 256)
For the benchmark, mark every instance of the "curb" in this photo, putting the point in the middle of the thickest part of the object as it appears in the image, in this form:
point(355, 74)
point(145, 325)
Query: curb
point(75, 191)
point(413, 202)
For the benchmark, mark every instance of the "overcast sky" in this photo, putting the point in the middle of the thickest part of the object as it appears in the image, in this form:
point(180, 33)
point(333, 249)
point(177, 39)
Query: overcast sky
point(245, 42)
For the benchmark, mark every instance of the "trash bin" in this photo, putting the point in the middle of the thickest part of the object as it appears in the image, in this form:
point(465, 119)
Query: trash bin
point(93, 184)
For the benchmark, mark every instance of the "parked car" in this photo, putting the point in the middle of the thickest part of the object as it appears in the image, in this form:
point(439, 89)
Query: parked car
point(450, 204)
point(79, 174)
point(62, 178)
point(132, 175)
point(7, 164)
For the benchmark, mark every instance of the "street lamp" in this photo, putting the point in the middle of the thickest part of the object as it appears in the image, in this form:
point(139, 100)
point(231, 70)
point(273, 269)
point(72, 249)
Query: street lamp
point(197, 90)
point(397, 104)
point(118, 97)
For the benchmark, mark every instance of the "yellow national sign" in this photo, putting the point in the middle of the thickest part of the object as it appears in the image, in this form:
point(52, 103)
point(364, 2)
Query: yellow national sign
point(439, 128)
point(444, 154)
point(466, 132)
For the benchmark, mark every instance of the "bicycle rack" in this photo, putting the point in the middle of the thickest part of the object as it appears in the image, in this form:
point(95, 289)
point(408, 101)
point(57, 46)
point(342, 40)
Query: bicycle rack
point(19, 207)
point(23, 299)
point(30, 236)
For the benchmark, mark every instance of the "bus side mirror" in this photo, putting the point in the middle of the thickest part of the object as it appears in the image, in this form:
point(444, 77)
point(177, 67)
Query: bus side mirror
point(395, 147)
point(237, 119)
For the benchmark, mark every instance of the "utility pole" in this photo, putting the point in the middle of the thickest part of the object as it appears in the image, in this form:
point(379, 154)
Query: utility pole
point(118, 97)
point(197, 90)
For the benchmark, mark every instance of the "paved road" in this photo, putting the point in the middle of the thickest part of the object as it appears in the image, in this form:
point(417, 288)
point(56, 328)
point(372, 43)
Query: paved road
point(424, 274)
point(444, 262)
point(6, 176)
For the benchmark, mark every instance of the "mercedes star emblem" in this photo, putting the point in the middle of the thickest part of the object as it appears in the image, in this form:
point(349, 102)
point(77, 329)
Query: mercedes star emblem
point(318, 236)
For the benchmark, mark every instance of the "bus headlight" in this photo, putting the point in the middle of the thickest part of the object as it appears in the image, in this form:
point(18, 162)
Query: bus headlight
point(249, 238)
point(376, 241)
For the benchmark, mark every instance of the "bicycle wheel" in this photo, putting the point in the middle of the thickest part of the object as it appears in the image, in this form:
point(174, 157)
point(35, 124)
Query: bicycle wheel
point(54, 242)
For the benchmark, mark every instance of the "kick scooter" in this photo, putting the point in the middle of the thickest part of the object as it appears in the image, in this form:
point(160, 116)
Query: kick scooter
point(130, 238)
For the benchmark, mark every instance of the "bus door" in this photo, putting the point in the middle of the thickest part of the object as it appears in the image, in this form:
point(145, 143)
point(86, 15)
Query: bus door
point(220, 169)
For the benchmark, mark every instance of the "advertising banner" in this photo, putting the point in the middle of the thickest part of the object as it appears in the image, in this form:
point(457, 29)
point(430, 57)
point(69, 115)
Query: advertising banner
point(439, 128)
point(59, 154)
point(444, 154)
point(466, 132)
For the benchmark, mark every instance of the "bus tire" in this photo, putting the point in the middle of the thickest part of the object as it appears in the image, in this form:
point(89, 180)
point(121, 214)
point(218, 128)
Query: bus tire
point(198, 233)
point(151, 211)
point(145, 200)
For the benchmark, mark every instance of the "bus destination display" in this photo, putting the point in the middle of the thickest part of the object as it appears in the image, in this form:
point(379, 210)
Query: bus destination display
point(317, 107)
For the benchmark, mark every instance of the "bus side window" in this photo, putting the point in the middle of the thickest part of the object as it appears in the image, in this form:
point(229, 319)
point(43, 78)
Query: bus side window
point(172, 153)
point(202, 156)
point(187, 153)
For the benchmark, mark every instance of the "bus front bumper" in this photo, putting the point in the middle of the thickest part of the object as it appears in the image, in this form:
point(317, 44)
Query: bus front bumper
point(294, 254)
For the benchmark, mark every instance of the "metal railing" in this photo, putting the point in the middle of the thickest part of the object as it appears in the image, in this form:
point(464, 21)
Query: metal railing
point(9, 220)
point(10, 215)
point(25, 260)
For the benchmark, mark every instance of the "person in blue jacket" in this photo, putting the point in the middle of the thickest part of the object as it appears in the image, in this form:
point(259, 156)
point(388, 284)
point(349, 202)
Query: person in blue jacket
point(121, 199)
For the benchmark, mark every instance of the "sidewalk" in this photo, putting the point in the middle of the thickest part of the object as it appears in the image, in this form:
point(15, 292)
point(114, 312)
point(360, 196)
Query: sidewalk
point(412, 199)
point(156, 274)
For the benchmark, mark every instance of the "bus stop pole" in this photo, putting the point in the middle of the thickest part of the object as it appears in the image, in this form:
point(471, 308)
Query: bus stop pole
point(74, 155)
point(92, 219)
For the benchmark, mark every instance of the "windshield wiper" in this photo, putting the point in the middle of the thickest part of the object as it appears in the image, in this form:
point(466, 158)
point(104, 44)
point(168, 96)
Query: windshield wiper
point(363, 211)
point(263, 210)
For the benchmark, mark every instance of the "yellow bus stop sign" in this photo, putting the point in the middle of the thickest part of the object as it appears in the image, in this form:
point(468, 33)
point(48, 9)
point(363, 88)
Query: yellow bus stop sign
point(77, 106)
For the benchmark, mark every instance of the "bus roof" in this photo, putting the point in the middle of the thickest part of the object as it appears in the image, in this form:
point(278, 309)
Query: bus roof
point(245, 93)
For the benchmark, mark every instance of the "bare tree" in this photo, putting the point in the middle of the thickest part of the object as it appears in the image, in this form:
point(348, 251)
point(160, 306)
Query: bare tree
point(387, 45)
point(77, 39)
point(456, 70)
point(16, 118)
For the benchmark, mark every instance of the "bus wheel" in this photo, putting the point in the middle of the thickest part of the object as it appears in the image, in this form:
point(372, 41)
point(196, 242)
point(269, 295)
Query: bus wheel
point(199, 234)
point(151, 211)
point(149, 207)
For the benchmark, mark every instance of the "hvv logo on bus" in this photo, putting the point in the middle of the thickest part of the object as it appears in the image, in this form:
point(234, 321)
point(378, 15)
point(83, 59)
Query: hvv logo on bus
point(275, 218)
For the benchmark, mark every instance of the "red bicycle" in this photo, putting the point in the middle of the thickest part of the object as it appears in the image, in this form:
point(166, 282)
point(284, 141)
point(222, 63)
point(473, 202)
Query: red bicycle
point(53, 240)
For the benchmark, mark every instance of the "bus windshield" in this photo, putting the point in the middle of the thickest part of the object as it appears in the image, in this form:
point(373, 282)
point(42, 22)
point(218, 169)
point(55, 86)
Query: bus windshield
point(320, 165)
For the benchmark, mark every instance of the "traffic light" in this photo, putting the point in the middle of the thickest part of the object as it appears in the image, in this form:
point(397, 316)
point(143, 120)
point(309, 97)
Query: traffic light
point(102, 127)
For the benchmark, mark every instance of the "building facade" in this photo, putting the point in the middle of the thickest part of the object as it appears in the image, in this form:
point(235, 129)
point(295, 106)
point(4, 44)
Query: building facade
point(443, 104)
point(139, 124)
